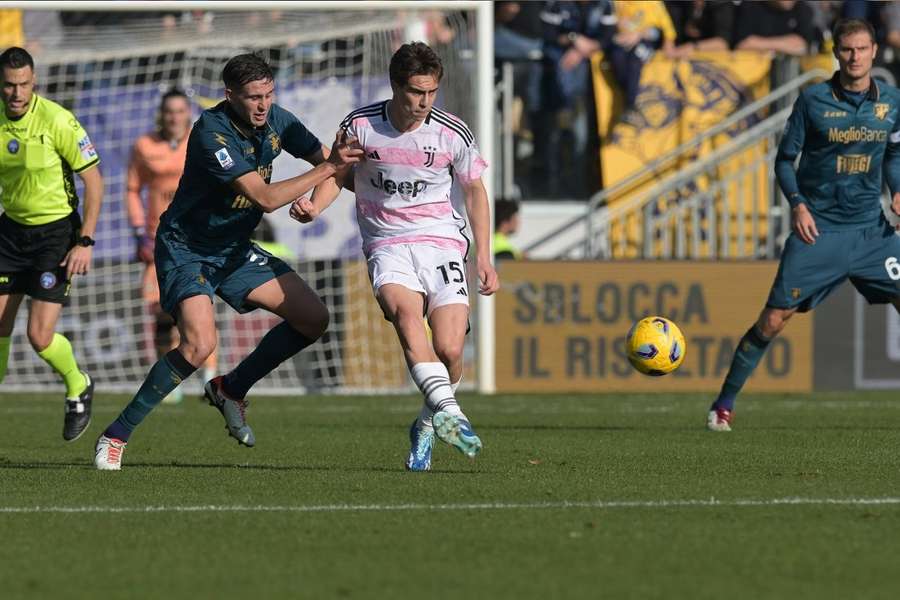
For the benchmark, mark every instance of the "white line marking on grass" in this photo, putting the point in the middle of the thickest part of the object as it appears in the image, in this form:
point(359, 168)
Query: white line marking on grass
point(565, 504)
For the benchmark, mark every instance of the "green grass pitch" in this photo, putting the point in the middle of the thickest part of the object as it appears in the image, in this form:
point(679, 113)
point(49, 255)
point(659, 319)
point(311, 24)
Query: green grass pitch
point(610, 496)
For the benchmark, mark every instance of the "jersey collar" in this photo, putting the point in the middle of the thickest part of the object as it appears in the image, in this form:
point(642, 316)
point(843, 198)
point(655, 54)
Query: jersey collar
point(838, 92)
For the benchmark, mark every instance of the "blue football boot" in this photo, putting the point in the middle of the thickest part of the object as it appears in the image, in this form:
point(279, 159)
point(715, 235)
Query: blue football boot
point(421, 441)
point(457, 432)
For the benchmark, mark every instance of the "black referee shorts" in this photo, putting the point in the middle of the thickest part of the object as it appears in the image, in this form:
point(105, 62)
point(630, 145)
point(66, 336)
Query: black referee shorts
point(30, 257)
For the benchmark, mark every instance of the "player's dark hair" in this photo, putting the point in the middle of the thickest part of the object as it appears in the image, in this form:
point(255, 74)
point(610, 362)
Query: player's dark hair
point(845, 27)
point(504, 210)
point(173, 93)
point(412, 59)
point(16, 58)
point(244, 68)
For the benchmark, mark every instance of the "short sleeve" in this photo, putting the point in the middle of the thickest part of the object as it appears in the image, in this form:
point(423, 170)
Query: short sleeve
point(296, 138)
point(468, 164)
point(72, 142)
point(218, 153)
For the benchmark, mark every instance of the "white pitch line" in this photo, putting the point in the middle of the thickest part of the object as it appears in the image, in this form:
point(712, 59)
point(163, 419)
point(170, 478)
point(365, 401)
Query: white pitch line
point(336, 508)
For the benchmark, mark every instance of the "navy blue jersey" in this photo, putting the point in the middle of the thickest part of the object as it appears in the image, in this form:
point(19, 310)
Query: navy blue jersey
point(848, 147)
point(208, 214)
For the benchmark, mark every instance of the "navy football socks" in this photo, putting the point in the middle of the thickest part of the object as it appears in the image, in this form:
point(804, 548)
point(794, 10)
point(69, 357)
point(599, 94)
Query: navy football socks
point(164, 376)
point(748, 354)
point(281, 343)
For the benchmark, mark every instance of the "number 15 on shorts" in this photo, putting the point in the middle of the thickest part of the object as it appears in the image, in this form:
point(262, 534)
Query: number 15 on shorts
point(452, 272)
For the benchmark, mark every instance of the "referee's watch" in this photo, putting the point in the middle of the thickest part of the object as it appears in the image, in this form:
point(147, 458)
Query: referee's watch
point(86, 241)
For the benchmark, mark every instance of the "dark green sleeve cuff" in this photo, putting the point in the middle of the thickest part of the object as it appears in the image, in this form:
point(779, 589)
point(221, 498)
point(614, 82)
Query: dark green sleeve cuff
point(794, 199)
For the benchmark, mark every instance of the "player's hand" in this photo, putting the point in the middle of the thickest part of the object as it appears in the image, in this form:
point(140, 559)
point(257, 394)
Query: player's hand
point(345, 151)
point(571, 59)
point(627, 39)
point(303, 210)
point(895, 207)
point(146, 248)
point(488, 279)
point(77, 261)
point(803, 224)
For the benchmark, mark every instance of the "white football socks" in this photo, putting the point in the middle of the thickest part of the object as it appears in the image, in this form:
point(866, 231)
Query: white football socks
point(427, 413)
point(434, 382)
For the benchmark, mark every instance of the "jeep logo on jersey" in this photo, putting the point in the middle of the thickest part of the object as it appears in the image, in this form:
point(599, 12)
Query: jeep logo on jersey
point(404, 188)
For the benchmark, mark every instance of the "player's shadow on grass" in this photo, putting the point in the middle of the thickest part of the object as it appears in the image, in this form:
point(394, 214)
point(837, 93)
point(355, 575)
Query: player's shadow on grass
point(543, 427)
point(223, 466)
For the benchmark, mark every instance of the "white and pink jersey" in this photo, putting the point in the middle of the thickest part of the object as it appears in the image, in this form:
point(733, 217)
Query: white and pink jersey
point(403, 185)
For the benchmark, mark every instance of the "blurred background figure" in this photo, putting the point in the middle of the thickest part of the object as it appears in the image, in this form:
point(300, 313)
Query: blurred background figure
point(701, 25)
point(566, 140)
point(156, 165)
point(783, 26)
point(518, 41)
point(506, 223)
point(642, 28)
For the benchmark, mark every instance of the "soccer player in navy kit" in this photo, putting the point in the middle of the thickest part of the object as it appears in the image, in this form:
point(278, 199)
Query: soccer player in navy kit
point(203, 248)
point(847, 133)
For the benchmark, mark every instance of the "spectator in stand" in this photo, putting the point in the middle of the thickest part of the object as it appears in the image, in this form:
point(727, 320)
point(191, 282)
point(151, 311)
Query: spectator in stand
point(642, 29)
point(890, 16)
point(517, 30)
point(701, 25)
point(506, 223)
point(782, 26)
point(517, 40)
point(573, 31)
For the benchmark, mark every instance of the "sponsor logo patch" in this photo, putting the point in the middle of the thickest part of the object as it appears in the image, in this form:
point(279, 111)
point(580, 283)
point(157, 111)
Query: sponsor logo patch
point(224, 158)
point(86, 148)
point(853, 164)
point(13, 146)
point(48, 280)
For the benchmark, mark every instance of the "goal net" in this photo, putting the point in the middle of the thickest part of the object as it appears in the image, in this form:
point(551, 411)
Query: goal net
point(110, 70)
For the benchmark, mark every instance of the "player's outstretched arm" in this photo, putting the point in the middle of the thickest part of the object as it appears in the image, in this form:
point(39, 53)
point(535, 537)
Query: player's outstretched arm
point(272, 196)
point(78, 259)
point(479, 213)
point(305, 210)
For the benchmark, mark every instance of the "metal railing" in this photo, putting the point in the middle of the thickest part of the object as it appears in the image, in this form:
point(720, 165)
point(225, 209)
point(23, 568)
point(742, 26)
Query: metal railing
point(596, 221)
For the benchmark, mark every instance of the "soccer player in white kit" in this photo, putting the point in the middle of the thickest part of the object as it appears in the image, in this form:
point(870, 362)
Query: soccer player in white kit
point(413, 238)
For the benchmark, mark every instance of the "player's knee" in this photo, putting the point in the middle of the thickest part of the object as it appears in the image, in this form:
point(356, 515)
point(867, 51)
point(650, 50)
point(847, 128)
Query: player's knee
point(39, 340)
point(450, 352)
point(319, 321)
point(314, 322)
point(773, 322)
point(198, 349)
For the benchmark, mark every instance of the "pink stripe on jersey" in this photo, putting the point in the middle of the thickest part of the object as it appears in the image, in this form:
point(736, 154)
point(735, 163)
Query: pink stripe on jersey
point(412, 158)
point(424, 240)
point(477, 169)
point(361, 122)
point(375, 209)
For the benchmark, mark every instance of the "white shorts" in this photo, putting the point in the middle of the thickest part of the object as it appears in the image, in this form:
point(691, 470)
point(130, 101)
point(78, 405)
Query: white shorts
point(439, 273)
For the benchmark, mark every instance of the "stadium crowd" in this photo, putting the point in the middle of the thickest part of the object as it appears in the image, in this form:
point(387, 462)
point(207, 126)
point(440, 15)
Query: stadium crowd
point(550, 44)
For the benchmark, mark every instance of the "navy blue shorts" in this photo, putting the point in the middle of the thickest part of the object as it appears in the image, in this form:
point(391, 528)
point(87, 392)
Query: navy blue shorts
point(808, 273)
point(183, 272)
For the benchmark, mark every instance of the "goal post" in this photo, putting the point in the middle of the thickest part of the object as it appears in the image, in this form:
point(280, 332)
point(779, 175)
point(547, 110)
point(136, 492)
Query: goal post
point(110, 62)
